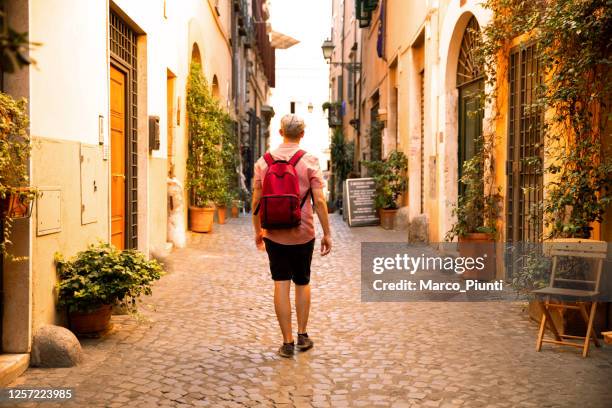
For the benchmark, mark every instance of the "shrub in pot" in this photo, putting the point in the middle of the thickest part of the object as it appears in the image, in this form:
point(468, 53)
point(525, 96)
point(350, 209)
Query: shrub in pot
point(342, 156)
point(236, 205)
point(99, 277)
point(205, 173)
point(476, 213)
point(390, 178)
point(222, 205)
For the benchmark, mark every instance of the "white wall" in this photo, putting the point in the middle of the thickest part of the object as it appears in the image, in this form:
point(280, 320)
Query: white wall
point(68, 85)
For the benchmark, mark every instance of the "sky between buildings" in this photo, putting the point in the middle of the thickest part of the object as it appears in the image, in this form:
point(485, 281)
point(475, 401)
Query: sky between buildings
point(302, 75)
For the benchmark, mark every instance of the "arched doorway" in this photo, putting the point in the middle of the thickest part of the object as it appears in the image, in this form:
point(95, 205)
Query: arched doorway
point(470, 85)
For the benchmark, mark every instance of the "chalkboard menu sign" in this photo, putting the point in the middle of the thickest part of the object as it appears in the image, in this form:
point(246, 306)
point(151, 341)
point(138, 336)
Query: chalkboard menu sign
point(359, 198)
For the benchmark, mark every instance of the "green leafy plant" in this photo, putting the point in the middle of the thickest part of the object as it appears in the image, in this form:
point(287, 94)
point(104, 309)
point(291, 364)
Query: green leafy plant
point(103, 275)
point(334, 113)
point(206, 176)
point(533, 272)
point(375, 136)
point(575, 53)
point(390, 178)
point(341, 157)
point(14, 158)
point(230, 153)
point(477, 208)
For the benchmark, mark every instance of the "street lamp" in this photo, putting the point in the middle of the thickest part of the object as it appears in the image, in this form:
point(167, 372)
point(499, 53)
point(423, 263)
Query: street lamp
point(328, 49)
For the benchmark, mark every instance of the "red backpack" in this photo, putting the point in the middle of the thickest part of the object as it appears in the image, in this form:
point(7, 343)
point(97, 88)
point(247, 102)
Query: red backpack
point(280, 206)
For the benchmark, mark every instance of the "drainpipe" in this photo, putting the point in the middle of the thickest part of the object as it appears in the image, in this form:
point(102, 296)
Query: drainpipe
point(358, 144)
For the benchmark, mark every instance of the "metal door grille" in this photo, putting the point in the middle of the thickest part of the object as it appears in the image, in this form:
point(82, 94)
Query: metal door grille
point(525, 148)
point(123, 46)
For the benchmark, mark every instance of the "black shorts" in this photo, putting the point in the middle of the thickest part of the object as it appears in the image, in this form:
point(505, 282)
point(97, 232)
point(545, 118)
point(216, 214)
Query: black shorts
point(290, 262)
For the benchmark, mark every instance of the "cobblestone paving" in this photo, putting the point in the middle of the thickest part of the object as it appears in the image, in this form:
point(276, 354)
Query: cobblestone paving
point(208, 338)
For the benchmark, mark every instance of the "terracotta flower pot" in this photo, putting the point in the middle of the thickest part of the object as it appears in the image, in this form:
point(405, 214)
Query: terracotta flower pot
point(90, 323)
point(387, 218)
point(201, 218)
point(15, 205)
point(475, 245)
point(235, 211)
point(221, 214)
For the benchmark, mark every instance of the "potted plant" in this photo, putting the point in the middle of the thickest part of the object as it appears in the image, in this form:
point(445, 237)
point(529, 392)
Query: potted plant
point(477, 211)
point(334, 114)
point(205, 172)
point(390, 178)
point(236, 204)
point(224, 202)
point(230, 153)
point(99, 277)
point(342, 153)
point(16, 196)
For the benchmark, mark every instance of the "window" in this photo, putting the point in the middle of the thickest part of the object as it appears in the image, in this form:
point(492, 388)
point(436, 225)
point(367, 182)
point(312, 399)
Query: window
point(292, 107)
point(340, 94)
point(351, 86)
point(376, 129)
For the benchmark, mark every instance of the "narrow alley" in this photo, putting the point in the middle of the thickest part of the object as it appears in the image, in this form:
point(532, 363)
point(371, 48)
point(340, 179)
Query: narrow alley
point(208, 337)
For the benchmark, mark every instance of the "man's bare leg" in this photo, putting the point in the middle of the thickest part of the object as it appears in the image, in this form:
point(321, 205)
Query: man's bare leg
point(282, 307)
point(302, 306)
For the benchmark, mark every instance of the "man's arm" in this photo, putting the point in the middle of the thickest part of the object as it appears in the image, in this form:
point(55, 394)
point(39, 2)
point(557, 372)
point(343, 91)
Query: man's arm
point(256, 221)
point(320, 206)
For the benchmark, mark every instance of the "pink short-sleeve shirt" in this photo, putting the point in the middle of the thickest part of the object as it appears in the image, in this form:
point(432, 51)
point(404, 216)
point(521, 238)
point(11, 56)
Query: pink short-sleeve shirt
point(310, 176)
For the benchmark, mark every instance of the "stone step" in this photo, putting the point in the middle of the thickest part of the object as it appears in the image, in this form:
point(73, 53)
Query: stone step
point(12, 366)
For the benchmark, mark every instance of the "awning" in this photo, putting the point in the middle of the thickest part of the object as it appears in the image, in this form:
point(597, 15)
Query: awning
point(282, 41)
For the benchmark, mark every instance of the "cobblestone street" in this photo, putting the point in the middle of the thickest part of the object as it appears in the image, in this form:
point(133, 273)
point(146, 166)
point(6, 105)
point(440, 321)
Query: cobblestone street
point(208, 337)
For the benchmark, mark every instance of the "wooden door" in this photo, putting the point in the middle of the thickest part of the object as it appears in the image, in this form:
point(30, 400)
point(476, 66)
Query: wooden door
point(117, 145)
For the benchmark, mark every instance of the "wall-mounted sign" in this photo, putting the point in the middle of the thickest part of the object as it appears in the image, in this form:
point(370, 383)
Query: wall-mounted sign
point(359, 197)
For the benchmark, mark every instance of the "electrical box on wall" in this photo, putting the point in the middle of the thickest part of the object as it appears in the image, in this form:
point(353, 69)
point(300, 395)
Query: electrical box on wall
point(153, 133)
point(49, 211)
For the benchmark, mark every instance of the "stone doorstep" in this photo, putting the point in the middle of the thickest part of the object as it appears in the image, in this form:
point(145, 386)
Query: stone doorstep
point(12, 366)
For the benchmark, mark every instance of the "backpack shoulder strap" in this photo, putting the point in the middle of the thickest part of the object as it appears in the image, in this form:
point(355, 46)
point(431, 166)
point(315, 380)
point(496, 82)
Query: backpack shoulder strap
point(269, 159)
point(297, 157)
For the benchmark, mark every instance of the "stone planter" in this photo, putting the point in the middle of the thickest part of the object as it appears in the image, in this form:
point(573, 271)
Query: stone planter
point(90, 323)
point(387, 218)
point(201, 218)
point(475, 245)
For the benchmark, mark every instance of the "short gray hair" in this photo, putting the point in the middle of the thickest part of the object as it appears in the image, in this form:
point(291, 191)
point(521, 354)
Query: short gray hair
point(292, 125)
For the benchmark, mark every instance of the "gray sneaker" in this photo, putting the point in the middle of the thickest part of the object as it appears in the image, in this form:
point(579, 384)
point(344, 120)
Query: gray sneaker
point(287, 350)
point(304, 343)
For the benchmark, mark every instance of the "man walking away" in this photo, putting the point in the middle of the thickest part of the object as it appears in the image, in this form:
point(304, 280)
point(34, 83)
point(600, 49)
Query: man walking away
point(285, 181)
